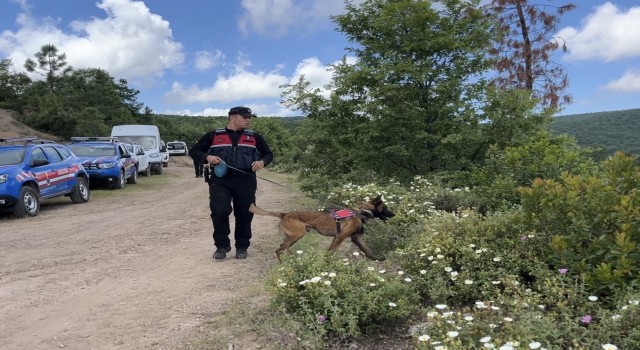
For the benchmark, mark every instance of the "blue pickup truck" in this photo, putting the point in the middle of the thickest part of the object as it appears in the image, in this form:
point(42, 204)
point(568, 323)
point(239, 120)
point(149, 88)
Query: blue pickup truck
point(106, 160)
point(32, 169)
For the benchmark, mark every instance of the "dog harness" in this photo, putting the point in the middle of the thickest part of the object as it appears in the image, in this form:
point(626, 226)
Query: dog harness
point(341, 214)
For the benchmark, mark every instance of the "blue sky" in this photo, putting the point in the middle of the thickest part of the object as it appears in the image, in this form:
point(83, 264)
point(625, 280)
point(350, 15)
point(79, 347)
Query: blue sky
point(201, 57)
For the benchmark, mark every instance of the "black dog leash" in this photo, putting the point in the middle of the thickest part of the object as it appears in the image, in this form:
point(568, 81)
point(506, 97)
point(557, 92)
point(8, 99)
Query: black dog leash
point(250, 174)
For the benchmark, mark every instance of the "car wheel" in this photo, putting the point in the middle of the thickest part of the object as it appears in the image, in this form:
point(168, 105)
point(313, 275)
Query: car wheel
point(80, 193)
point(120, 184)
point(28, 204)
point(147, 171)
point(159, 171)
point(164, 165)
point(134, 177)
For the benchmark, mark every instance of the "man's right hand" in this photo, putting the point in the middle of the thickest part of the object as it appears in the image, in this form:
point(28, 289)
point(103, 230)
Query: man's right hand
point(213, 160)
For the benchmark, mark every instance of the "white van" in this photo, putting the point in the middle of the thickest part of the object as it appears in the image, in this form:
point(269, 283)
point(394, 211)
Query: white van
point(147, 136)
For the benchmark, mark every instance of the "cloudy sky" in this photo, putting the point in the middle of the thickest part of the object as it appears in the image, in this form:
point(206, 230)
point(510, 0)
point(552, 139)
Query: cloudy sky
point(200, 57)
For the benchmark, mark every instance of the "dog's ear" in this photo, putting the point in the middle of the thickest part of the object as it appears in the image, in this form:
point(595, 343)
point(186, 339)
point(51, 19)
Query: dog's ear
point(377, 201)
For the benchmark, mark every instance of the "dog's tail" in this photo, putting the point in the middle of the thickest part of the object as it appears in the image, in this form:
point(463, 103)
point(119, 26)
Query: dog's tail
point(259, 211)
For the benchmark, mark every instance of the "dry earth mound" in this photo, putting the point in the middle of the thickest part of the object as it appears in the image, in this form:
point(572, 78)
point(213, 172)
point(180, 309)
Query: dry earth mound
point(10, 127)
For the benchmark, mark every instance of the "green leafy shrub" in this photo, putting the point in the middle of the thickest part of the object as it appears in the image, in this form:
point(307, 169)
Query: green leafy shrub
point(384, 237)
point(484, 280)
point(459, 259)
point(561, 315)
point(463, 280)
point(545, 156)
point(341, 298)
point(592, 223)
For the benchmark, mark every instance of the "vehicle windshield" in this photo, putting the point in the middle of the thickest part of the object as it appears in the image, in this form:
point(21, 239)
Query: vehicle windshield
point(129, 148)
point(93, 150)
point(148, 142)
point(175, 146)
point(11, 156)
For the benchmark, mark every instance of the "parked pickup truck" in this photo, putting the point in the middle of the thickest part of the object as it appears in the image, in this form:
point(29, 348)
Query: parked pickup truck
point(32, 170)
point(106, 160)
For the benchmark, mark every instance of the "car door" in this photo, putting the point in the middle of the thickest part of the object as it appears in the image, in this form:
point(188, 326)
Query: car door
point(143, 159)
point(127, 161)
point(45, 170)
point(73, 167)
point(131, 148)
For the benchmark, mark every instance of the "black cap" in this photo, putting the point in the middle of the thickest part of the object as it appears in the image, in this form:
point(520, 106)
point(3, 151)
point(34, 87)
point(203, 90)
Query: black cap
point(243, 111)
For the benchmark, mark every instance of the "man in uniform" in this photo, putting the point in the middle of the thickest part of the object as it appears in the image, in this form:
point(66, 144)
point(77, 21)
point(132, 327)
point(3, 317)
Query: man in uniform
point(246, 152)
point(198, 165)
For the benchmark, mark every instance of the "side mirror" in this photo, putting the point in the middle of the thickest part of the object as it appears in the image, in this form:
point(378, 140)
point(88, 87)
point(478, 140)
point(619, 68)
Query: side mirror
point(39, 162)
point(141, 153)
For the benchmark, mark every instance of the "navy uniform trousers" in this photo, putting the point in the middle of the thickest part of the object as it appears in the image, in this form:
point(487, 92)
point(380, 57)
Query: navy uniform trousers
point(233, 193)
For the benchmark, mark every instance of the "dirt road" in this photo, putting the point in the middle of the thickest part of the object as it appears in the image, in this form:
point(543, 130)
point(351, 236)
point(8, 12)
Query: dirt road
point(130, 269)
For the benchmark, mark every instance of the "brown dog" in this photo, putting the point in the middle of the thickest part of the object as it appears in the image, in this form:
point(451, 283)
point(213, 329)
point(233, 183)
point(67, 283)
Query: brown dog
point(295, 224)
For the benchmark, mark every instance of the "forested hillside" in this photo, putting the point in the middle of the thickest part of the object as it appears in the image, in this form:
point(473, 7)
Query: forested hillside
point(613, 130)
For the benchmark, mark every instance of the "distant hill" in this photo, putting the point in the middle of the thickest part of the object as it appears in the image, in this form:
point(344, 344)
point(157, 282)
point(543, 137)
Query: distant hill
point(614, 130)
point(11, 128)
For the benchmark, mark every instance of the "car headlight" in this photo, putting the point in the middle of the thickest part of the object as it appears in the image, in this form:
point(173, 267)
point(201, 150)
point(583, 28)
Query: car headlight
point(3, 178)
point(106, 165)
point(154, 155)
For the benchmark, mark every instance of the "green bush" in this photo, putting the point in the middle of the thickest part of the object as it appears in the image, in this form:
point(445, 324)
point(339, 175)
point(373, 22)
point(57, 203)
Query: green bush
point(496, 182)
point(341, 298)
point(560, 316)
point(461, 258)
point(384, 237)
point(592, 223)
point(485, 278)
point(462, 279)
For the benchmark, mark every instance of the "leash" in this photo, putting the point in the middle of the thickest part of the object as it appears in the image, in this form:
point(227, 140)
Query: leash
point(223, 165)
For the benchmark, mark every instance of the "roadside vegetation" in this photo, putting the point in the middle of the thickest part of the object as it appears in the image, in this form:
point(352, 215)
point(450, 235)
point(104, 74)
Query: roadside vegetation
point(507, 235)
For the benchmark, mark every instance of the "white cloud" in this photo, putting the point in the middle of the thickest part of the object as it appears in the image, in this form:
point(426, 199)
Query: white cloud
point(317, 74)
point(630, 82)
point(206, 60)
point(130, 42)
point(237, 86)
point(259, 109)
point(609, 33)
point(276, 18)
point(207, 112)
point(243, 84)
